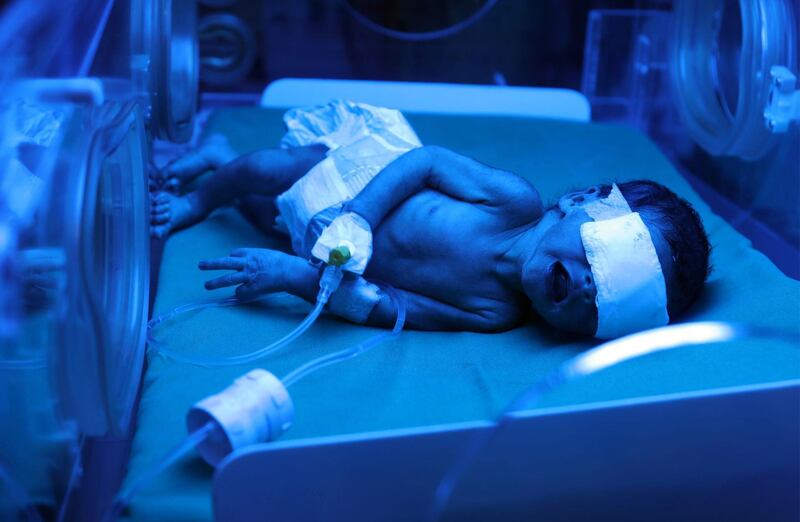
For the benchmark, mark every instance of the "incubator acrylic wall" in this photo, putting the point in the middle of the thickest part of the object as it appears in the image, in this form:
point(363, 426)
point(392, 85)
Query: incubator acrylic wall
point(711, 82)
point(84, 84)
point(625, 68)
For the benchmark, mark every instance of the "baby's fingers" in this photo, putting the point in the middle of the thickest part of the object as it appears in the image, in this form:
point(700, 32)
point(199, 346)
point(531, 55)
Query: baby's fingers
point(223, 263)
point(242, 252)
point(159, 208)
point(235, 278)
point(159, 218)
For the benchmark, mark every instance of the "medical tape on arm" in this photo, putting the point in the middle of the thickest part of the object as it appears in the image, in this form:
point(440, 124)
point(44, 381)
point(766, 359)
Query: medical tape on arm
point(354, 299)
point(631, 290)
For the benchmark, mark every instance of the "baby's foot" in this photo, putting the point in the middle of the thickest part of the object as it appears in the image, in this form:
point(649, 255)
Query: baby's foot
point(213, 153)
point(169, 213)
point(160, 181)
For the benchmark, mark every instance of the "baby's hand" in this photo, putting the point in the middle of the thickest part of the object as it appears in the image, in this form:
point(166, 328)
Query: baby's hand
point(256, 271)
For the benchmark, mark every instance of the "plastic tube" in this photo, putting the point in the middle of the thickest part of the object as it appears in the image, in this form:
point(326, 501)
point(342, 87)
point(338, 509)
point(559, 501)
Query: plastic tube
point(124, 498)
point(257, 407)
point(211, 361)
point(189, 307)
point(354, 351)
point(329, 282)
point(588, 363)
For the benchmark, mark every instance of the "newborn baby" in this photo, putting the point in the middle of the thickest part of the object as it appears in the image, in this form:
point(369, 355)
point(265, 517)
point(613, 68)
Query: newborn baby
point(467, 246)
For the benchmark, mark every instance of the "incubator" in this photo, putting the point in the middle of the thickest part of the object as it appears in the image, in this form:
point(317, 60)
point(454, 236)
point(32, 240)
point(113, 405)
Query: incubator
point(96, 94)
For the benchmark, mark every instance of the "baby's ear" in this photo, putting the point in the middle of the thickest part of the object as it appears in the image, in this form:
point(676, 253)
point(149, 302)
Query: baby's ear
point(574, 200)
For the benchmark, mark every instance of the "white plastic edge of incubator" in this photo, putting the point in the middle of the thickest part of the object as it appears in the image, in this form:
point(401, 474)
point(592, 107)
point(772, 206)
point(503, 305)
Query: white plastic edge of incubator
point(437, 98)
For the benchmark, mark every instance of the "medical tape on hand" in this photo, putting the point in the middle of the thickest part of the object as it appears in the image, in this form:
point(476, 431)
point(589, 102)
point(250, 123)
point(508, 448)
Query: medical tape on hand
point(354, 299)
point(356, 232)
point(631, 290)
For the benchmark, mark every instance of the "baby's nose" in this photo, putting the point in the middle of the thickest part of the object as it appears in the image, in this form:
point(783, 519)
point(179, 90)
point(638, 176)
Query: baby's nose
point(587, 285)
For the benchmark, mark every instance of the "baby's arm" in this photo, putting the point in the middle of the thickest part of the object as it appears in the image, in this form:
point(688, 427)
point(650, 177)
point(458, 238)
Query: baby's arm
point(257, 271)
point(457, 176)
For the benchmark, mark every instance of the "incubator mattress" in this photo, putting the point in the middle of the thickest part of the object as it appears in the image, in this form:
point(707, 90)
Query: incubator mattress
point(437, 378)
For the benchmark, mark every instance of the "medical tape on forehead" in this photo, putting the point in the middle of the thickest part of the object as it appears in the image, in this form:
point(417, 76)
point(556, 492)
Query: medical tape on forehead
point(613, 205)
point(631, 290)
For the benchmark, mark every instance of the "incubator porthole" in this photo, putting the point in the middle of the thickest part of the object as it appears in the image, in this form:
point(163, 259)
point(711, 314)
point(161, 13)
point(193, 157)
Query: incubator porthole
point(727, 52)
point(82, 252)
point(164, 64)
point(722, 55)
point(180, 76)
point(113, 261)
point(227, 49)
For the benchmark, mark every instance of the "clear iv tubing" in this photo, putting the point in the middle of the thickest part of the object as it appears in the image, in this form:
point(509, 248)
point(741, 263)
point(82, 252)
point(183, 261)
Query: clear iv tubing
point(188, 444)
point(328, 283)
point(588, 363)
point(354, 351)
point(123, 499)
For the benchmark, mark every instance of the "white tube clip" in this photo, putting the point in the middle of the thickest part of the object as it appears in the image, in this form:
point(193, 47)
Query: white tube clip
point(255, 408)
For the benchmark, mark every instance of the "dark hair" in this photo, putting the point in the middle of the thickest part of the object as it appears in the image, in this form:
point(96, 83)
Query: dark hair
point(680, 225)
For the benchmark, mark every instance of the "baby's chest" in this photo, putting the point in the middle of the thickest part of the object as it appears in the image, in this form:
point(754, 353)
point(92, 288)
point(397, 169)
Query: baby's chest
point(434, 242)
point(433, 225)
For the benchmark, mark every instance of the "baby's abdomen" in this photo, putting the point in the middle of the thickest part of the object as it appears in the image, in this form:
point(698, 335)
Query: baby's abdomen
point(432, 245)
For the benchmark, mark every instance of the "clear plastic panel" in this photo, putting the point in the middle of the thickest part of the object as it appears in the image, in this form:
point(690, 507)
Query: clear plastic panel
point(625, 67)
point(722, 54)
point(713, 82)
point(164, 63)
point(74, 243)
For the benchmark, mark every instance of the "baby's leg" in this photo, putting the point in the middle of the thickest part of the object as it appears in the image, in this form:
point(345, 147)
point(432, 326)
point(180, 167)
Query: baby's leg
point(261, 173)
point(260, 211)
point(213, 152)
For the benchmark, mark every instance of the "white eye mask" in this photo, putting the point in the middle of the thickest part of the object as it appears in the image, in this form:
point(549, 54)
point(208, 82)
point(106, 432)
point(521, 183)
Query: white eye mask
point(631, 291)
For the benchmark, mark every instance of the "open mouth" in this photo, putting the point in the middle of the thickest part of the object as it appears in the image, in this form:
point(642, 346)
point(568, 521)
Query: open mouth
point(559, 282)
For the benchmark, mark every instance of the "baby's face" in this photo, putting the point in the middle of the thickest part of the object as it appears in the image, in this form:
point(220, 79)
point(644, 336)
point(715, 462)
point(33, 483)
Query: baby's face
point(557, 277)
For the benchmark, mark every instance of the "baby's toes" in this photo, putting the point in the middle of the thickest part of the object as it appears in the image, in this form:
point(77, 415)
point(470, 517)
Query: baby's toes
point(172, 184)
point(159, 218)
point(159, 231)
point(159, 198)
point(159, 208)
point(160, 211)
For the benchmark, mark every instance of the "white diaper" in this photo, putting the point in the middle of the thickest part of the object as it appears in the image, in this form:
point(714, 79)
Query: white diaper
point(361, 139)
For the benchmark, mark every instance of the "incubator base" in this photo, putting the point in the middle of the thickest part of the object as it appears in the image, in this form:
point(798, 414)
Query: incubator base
point(712, 455)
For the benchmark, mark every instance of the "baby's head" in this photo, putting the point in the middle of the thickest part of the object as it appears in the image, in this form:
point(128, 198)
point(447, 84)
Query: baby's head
point(560, 280)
